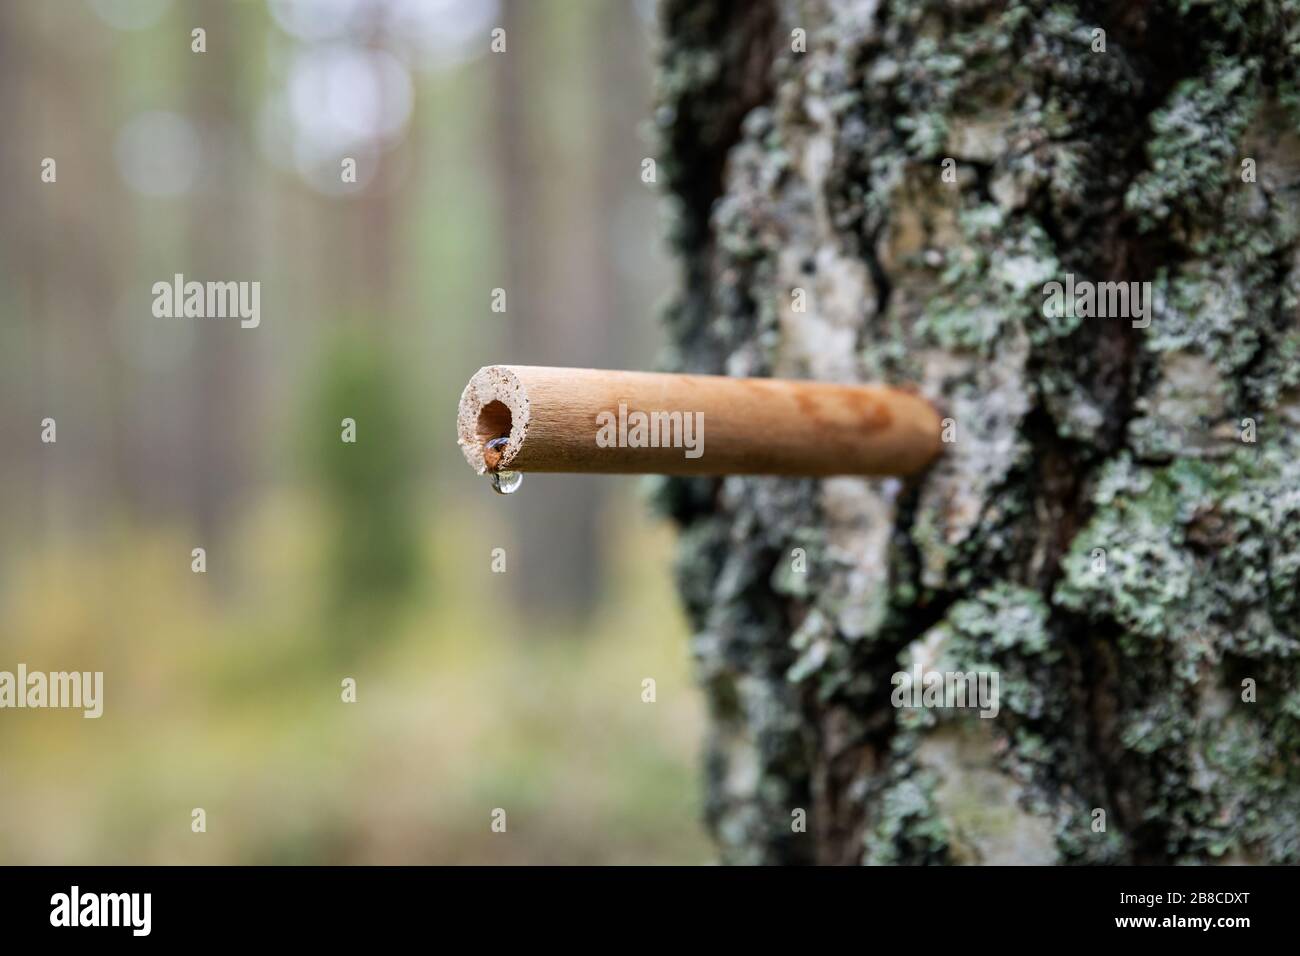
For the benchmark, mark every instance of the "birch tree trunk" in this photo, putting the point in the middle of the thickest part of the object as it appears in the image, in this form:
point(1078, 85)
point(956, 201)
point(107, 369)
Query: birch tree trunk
point(1115, 530)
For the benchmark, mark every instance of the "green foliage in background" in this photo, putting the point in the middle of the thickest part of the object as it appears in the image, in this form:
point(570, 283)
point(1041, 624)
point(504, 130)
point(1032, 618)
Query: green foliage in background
point(373, 558)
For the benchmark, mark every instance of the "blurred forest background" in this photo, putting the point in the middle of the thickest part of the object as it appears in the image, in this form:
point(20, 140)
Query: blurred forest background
point(325, 560)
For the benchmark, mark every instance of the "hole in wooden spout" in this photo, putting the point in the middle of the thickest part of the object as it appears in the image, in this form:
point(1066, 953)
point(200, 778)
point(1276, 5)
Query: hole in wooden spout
point(494, 421)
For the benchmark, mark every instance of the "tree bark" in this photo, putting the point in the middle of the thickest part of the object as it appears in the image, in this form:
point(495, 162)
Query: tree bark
point(1103, 533)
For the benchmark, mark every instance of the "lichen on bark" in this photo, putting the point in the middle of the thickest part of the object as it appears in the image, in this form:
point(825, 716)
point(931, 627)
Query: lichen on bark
point(1099, 533)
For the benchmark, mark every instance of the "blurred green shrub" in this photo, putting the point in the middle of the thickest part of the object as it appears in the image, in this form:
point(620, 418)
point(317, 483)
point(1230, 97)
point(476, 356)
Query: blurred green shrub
point(364, 470)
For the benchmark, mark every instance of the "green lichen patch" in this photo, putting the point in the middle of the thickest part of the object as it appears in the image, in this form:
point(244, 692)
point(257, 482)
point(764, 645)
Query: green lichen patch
point(1193, 148)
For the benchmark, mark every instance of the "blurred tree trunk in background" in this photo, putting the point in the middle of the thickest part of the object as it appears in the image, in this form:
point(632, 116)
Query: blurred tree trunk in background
point(558, 296)
point(58, 284)
point(16, 414)
point(215, 461)
point(1099, 534)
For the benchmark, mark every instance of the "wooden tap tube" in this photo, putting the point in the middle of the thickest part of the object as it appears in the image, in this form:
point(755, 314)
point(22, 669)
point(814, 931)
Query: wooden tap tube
point(585, 420)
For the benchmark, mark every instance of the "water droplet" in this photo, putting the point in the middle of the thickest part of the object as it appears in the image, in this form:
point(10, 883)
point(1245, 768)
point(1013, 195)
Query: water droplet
point(507, 482)
point(504, 482)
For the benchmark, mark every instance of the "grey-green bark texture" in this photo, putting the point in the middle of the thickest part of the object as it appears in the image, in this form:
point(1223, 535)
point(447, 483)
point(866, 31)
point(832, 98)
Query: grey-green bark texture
point(1101, 533)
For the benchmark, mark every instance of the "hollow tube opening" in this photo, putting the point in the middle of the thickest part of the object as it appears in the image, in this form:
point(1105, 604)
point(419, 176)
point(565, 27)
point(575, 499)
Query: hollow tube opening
point(494, 421)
